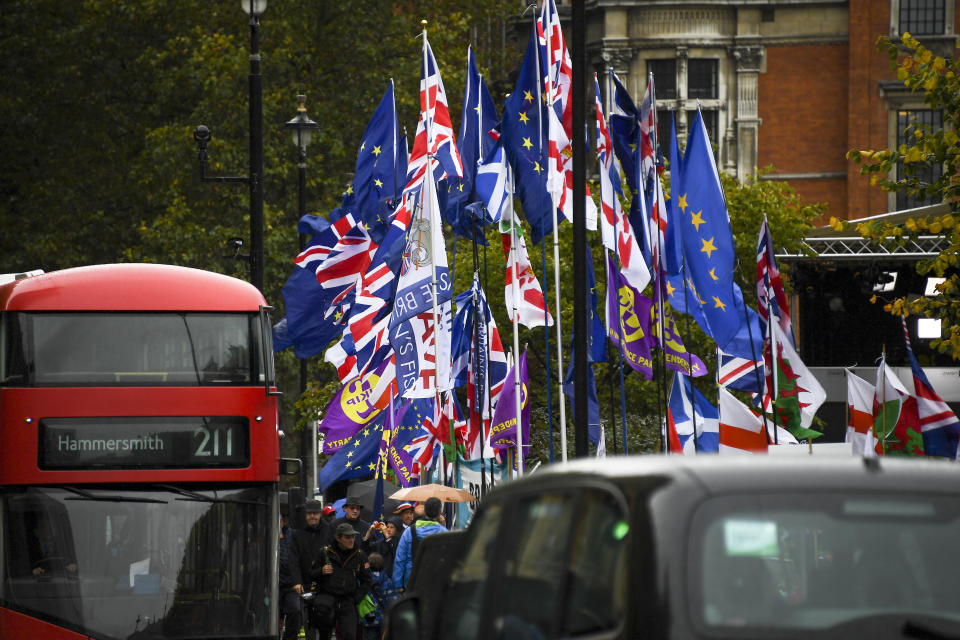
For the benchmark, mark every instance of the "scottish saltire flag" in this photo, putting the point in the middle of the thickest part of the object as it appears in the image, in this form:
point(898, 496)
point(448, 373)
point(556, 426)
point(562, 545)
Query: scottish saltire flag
point(742, 374)
point(357, 458)
point(707, 239)
point(423, 275)
point(628, 315)
point(860, 417)
point(770, 293)
point(503, 429)
point(478, 118)
point(938, 423)
point(741, 431)
point(494, 185)
point(617, 233)
point(372, 194)
point(528, 303)
point(523, 129)
point(792, 391)
point(696, 423)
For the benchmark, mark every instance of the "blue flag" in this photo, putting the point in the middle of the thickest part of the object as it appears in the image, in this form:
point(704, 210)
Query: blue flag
point(357, 458)
point(707, 239)
point(479, 117)
point(524, 129)
point(371, 195)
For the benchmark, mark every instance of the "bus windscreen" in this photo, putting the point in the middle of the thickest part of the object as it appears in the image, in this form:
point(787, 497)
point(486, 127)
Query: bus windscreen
point(59, 349)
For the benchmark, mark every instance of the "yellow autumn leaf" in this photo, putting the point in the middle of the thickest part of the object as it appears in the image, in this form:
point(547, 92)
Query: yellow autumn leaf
point(935, 227)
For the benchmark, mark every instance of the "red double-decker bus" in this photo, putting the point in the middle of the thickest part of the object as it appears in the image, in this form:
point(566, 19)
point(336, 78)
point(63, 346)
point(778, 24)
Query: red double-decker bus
point(139, 456)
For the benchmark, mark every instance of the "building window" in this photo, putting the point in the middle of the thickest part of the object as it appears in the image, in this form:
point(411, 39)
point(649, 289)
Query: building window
point(702, 79)
point(922, 17)
point(908, 120)
point(710, 122)
point(664, 78)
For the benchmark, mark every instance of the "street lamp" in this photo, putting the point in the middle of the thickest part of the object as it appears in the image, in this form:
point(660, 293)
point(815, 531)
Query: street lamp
point(254, 178)
point(302, 128)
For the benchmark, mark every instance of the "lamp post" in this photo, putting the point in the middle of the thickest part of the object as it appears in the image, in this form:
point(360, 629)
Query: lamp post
point(254, 178)
point(302, 128)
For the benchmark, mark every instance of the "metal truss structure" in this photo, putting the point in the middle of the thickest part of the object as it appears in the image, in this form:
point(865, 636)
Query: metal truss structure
point(857, 248)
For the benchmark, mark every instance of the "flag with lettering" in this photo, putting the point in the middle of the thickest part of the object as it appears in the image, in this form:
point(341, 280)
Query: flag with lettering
point(503, 431)
point(352, 407)
point(628, 321)
point(676, 356)
point(938, 423)
point(408, 418)
point(357, 458)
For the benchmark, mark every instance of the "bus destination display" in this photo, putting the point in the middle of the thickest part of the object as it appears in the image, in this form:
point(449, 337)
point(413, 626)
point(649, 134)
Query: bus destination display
point(144, 443)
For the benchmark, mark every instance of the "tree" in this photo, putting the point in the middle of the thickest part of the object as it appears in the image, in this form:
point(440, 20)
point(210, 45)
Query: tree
point(937, 79)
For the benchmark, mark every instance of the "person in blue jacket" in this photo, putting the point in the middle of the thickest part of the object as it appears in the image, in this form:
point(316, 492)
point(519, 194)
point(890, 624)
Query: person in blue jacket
point(410, 541)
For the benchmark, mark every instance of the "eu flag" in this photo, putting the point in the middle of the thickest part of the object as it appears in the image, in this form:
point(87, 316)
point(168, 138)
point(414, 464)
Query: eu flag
point(357, 458)
point(706, 236)
point(524, 134)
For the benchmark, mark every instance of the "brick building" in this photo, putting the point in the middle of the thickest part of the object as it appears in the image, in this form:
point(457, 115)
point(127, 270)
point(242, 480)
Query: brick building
point(794, 85)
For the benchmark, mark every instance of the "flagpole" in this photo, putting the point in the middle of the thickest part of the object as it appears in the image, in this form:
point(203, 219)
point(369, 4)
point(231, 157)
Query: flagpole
point(516, 347)
point(556, 256)
point(616, 253)
point(883, 399)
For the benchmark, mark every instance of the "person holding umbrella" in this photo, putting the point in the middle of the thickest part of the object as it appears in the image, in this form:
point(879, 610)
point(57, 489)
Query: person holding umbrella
point(410, 541)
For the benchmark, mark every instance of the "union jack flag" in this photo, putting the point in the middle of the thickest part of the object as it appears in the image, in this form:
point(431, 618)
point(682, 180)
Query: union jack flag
point(555, 59)
point(617, 233)
point(529, 306)
point(770, 293)
point(648, 151)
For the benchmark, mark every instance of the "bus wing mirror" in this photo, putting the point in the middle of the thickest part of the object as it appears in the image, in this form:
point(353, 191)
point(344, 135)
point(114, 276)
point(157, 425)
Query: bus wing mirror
point(289, 466)
point(266, 342)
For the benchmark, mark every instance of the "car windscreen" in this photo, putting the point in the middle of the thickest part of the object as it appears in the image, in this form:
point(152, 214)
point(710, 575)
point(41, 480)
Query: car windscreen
point(131, 349)
point(824, 563)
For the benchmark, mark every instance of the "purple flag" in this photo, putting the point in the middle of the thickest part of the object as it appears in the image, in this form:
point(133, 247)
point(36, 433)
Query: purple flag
point(503, 431)
point(407, 419)
point(676, 355)
point(348, 410)
point(629, 309)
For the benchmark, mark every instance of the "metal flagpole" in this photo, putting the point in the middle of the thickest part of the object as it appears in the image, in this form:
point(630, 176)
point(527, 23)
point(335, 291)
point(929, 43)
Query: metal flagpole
point(556, 253)
point(517, 385)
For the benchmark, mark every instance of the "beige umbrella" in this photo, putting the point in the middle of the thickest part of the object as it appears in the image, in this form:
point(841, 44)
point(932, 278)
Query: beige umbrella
point(424, 491)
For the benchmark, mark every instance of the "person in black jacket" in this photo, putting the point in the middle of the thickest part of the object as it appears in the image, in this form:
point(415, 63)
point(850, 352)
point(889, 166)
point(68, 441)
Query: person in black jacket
point(306, 548)
point(345, 578)
point(289, 599)
point(351, 516)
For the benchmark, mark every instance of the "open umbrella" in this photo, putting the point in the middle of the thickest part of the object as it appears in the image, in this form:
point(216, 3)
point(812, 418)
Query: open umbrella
point(424, 491)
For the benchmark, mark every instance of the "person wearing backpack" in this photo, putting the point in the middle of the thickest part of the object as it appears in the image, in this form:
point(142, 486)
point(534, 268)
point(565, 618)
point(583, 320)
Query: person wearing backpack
point(410, 541)
point(342, 581)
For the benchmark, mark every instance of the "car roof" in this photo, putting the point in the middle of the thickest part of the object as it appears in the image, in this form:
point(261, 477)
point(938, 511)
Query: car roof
point(716, 474)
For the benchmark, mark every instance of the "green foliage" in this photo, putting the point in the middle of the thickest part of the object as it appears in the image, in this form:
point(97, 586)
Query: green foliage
point(937, 79)
point(100, 98)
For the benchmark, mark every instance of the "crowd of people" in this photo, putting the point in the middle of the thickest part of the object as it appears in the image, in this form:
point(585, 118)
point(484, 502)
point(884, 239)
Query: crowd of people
point(338, 574)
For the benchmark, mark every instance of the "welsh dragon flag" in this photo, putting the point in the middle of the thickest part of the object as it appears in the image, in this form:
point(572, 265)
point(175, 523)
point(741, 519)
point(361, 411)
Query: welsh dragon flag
point(897, 430)
point(895, 416)
point(794, 393)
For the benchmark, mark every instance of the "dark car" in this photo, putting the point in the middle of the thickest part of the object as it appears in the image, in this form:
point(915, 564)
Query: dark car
point(709, 547)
